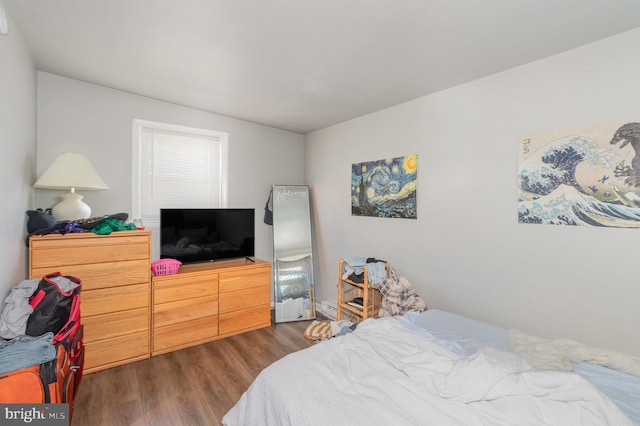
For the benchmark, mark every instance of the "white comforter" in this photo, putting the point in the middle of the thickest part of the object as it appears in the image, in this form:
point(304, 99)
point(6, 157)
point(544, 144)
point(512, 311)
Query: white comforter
point(384, 374)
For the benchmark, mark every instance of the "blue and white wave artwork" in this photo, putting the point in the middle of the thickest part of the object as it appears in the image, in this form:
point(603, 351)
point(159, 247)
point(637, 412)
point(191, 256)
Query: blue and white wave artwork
point(579, 181)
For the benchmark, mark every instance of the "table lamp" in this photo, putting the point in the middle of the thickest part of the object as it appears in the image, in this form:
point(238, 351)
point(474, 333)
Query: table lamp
point(71, 171)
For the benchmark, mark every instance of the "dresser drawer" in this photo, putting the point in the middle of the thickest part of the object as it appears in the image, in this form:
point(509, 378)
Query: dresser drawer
point(87, 248)
point(186, 333)
point(184, 310)
point(243, 299)
point(101, 275)
point(105, 300)
point(106, 326)
point(170, 289)
point(116, 350)
point(245, 319)
point(243, 279)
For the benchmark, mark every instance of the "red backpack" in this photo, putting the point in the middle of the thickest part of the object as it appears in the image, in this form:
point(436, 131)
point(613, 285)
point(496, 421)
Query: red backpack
point(56, 309)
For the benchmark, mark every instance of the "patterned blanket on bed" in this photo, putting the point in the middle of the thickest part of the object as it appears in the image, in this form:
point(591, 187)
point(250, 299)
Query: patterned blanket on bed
point(398, 296)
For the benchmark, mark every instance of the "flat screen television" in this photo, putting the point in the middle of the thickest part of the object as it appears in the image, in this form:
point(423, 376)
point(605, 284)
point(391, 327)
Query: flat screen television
point(205, 235)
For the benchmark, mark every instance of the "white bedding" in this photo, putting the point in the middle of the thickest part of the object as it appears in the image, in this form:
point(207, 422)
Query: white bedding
point(390, 372)
point(468, 335)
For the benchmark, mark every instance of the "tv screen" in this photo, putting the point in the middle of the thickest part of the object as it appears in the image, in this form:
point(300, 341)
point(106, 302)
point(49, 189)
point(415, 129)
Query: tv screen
point(204, 235)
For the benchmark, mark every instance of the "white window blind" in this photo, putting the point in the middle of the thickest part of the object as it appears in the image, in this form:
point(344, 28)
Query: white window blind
point(179, 171)
point(176, 167)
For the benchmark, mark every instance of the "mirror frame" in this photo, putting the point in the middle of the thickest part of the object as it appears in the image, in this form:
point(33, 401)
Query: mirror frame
point(293, 278)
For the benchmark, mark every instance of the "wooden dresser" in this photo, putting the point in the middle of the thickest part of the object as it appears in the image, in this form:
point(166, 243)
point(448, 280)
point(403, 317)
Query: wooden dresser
point(116, 291)
point(129, 316)
point(208, 301)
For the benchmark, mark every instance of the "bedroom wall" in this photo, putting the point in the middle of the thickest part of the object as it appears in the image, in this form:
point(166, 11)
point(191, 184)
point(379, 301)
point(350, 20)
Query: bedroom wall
point(75, 116)
point(466, 252)
point(17, 162)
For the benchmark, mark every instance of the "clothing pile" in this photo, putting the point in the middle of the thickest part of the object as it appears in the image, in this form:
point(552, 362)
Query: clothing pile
point(41, 342)
point(15, 310)
point(41, 223)
point(399, 296)
point(354, 270)
point(322, 330)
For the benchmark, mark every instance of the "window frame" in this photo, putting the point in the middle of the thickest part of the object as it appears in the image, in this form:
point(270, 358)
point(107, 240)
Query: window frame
point(137, 128)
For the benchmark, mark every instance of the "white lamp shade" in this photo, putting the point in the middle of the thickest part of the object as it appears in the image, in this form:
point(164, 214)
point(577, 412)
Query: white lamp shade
point(68, 171)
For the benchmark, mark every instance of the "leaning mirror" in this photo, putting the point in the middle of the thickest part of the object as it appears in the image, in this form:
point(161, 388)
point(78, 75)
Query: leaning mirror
point(292, 253)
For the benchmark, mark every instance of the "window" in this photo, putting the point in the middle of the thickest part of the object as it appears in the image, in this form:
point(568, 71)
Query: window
point(176, 166)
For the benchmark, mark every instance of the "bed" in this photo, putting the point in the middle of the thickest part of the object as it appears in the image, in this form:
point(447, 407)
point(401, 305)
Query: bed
point(435, 368)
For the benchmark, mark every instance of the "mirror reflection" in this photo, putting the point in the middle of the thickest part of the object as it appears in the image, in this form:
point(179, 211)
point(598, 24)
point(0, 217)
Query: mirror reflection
point(293, 254)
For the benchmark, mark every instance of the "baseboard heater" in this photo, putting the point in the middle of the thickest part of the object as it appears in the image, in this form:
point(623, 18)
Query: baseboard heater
point(328, 308)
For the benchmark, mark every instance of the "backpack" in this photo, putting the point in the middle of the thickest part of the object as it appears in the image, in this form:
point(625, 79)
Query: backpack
point(52, 303)
point(71, 337)
point(56, 309)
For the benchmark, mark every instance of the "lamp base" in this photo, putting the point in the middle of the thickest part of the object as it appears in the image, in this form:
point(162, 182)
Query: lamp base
point(71, 208)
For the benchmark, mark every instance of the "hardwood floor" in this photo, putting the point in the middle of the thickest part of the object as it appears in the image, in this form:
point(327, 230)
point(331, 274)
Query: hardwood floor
point(194, 386)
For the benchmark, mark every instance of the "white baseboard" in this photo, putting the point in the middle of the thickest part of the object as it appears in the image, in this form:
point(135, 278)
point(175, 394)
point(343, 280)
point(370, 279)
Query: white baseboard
point(328, 309)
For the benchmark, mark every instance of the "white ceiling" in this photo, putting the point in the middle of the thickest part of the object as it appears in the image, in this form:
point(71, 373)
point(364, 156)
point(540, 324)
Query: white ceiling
point(302, 65)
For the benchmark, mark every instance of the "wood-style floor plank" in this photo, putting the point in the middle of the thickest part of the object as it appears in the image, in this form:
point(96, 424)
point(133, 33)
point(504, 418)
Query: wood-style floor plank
point(193, 386)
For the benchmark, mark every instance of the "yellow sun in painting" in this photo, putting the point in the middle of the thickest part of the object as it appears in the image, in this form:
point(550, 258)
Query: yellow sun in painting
point(410, 163)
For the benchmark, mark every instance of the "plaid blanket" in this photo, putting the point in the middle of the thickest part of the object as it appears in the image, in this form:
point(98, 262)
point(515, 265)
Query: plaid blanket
point(399, 296)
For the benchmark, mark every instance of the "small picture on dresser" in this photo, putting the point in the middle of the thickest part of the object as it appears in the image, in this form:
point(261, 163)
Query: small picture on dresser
point(385, 188)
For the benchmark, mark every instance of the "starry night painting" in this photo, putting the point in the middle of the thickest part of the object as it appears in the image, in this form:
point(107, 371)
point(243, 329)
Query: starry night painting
point(385, 188)
point(582, 177)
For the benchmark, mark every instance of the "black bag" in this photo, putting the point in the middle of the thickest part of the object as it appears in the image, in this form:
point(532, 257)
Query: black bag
point(52, 304)
point(268, 214)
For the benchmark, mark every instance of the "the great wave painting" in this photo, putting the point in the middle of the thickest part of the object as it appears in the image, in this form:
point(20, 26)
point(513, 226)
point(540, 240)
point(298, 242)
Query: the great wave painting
point(583, 177)
point(385, 188)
